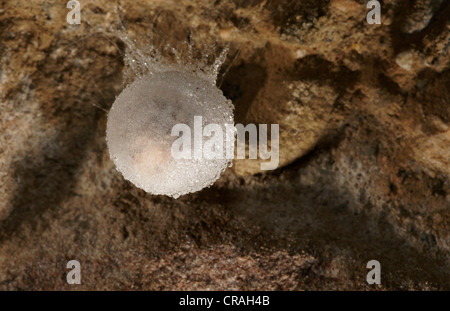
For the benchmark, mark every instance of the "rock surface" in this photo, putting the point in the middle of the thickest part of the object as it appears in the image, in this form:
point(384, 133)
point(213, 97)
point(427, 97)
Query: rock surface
point(364, 114)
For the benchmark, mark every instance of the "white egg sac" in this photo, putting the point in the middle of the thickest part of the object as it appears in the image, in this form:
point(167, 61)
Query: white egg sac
point(139, 130)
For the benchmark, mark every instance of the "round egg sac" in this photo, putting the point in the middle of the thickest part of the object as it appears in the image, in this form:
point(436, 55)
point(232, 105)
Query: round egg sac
point(139, 131)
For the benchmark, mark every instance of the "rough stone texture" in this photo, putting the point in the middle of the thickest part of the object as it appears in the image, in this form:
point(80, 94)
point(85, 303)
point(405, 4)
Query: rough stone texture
point(364, 114)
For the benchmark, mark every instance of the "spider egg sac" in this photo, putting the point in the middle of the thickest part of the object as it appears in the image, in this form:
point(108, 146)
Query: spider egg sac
point(139, 131)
